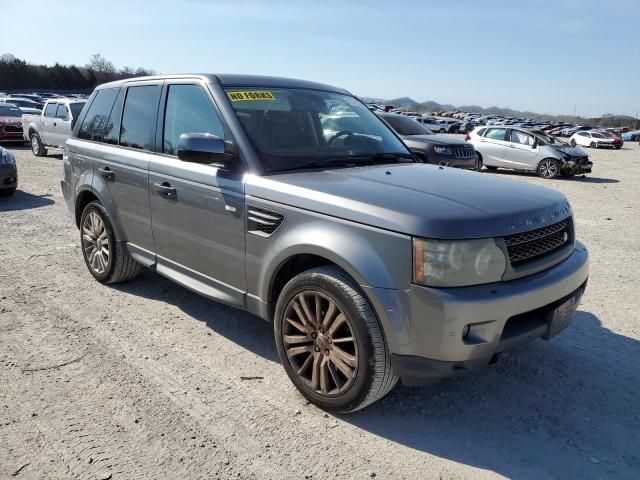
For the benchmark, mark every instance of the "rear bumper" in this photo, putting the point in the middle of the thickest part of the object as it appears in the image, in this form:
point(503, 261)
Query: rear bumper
point(425, 326)
point(8, 177)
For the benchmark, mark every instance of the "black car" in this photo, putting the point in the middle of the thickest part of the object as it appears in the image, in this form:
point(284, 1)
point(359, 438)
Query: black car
point(431, 148)
point(8, 173)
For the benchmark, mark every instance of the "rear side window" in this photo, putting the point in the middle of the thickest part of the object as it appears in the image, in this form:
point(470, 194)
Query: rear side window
point(97, 117)
point(482, 131)
point(496, 133)
point(139, 117)
point(50, 111)
point(62, 112)
point(188, 110)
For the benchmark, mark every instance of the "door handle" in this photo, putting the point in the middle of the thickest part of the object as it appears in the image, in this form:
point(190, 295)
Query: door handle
point(55, 124)
point(106, 173)
point(165, 189)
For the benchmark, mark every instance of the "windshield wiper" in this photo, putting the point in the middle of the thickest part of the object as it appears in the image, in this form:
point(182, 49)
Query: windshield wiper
point(348, 161)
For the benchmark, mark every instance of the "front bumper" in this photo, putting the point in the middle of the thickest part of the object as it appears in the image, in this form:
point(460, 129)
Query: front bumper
point(468, 163)
point(424, 326)
point(577, 167)
point(8, 177)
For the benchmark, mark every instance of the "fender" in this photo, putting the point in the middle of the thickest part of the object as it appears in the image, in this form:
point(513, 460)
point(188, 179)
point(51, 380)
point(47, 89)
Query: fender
point(373, 257)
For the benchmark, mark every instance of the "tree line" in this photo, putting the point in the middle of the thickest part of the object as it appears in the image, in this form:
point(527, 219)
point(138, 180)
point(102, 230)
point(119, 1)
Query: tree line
point(18, 74)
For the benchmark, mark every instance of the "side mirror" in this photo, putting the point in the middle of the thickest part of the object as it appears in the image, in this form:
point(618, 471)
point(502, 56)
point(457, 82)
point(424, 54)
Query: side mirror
point(205, 148)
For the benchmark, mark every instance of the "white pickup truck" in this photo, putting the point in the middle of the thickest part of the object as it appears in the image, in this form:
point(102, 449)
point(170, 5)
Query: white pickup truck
point(53, 126)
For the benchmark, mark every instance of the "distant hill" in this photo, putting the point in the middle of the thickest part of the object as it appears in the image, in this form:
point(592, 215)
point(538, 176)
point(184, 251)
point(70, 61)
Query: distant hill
point(607, 120)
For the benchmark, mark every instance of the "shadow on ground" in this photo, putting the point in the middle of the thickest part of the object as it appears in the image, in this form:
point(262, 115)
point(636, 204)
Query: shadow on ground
point(562, 409)
point(24, 201)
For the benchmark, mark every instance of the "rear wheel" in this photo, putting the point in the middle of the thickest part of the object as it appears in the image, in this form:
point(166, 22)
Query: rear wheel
point(106, 258)
point(549, 168)
point(330, 341)
point(37, 147)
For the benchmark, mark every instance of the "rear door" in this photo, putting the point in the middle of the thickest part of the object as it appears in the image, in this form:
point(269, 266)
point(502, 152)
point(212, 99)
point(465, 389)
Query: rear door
point(120, 124)
point(61, 127)
point(521, 153)
point(492, 145)
point(197, 209)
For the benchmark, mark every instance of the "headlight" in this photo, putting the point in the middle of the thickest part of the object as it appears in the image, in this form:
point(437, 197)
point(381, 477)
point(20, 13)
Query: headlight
point(6, 158)
point(457, 263)
point(443, 150)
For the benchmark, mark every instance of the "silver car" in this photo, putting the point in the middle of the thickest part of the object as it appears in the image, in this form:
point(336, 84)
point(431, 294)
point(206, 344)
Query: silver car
point(524, 150)
point(372, 267)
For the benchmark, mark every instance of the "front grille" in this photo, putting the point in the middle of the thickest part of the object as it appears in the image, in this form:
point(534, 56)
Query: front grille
point(526, 246)
point(13, 129)
point(262, 222)
point(464, 152)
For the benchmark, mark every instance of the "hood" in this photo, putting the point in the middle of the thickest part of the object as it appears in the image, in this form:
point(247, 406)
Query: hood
point(569, 150)
point(433, 139)
point(10, 120)
point(417, 199)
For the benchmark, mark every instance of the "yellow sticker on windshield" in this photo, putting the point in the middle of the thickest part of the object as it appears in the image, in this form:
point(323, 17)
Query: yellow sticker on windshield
point(251, 95)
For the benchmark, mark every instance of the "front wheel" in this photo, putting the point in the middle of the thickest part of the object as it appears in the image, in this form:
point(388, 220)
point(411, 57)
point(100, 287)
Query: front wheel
point(549, 168)
point(37, 147)
point(573, 142)
point(330, 341)
point(594, 145)
point(106, 258)
point(8, 192)
point(478, 166)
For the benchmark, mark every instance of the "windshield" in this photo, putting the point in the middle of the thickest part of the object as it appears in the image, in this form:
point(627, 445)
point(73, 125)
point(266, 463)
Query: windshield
point(10, 111)
point(406, 125)
point(550, 140)
point(76, 108)
point(295, 128)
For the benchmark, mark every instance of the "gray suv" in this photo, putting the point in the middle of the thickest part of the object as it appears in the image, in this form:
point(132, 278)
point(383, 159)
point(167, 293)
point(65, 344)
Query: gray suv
point(371, 266)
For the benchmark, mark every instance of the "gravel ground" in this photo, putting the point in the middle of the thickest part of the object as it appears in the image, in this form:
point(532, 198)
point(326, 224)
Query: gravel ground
point(145, 379)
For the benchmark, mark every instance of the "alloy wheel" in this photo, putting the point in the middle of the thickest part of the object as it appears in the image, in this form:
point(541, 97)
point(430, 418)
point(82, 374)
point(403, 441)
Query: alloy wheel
point(548, 169)
point(320, 343)
point(35, 145)
point(95, 243)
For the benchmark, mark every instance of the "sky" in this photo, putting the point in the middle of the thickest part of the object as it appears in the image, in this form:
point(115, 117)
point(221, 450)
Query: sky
point(546, 56)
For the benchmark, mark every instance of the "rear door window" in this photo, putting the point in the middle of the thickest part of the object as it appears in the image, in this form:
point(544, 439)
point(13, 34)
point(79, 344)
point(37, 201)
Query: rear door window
point(62, 113)
point(96, 120)
point(188, 110)
point(139, 117)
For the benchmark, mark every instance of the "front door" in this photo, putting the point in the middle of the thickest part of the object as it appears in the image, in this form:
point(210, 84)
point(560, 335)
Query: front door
point(521, 152)
point(197, 210)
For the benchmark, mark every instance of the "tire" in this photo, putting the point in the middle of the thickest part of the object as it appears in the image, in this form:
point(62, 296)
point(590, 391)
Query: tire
point(371, 375)
point(37, 147)
point(8, 192)
point(593, 145)
point(549, 168)
point(573, 142)
point(478, 162)
point(96, 232)
point(493, 169)
point(618, 147)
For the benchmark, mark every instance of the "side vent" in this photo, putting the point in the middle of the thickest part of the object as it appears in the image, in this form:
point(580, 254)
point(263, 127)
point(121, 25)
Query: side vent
point(262, 222)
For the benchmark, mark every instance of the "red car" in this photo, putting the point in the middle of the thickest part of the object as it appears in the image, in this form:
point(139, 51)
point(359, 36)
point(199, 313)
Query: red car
point(10, 123)
point(617, 139)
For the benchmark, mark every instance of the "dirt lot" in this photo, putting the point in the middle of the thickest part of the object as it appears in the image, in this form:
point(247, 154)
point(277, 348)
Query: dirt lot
point(145, 379)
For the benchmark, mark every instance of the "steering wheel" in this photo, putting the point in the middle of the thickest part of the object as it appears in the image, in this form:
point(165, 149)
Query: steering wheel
point(341, 133)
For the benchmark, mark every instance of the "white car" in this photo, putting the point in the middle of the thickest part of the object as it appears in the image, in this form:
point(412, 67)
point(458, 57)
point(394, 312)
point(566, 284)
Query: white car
point(594, 140)
point(520, 149)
